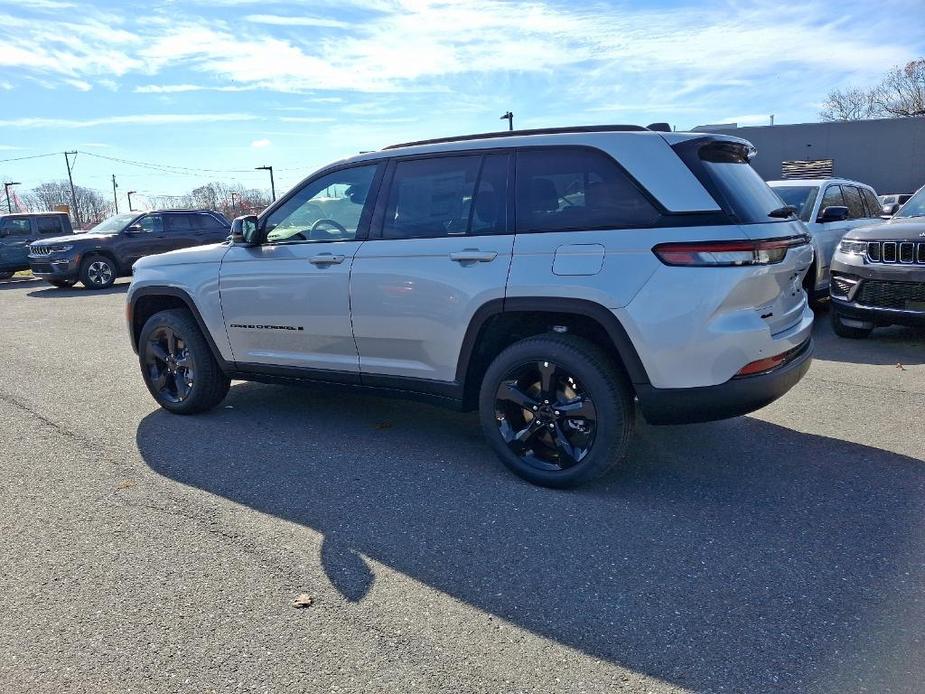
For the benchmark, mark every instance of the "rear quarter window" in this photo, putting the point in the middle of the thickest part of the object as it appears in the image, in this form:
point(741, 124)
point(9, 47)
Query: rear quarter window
point(571, 188)
point(855, 202)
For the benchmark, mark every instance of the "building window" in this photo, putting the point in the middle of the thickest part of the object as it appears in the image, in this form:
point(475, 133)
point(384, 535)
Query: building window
point(807, 168)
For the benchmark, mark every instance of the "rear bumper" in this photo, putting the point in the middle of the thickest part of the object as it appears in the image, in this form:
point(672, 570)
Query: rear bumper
point(733, 398)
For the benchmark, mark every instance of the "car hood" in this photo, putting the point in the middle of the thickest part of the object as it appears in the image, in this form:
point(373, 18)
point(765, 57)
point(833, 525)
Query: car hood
point(71, 239)
point(893, 231)
point(185, 256)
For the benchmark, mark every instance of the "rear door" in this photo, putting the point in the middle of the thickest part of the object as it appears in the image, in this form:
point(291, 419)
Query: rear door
point(440, 249)
point(828, 234)
point(180, 230)
point(208, 229)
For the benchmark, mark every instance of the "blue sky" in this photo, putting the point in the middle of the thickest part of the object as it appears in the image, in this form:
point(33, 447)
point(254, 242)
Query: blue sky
point(232, 84)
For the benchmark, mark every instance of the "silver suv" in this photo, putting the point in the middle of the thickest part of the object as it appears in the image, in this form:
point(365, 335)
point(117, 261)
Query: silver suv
point(549, 279)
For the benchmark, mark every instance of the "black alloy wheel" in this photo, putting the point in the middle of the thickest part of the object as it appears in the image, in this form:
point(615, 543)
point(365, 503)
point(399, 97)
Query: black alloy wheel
point(545, 415)
point(170, 366)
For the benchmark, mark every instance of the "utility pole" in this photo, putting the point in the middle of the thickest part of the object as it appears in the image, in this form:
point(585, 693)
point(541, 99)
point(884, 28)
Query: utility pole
point(70, 178)
point(130, 194)
point(115, 198)
point(234, 205)
point(272, 184)
point(509, 117)
point(6, 191)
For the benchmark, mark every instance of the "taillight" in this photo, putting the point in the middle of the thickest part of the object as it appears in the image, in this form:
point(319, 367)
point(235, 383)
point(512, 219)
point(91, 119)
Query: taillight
point(727, 253)
point(769, 363)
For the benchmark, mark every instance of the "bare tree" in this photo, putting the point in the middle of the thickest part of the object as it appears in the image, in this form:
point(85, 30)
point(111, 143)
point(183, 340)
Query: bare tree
point(230, 200)
point(901, 93)
point(92, 205)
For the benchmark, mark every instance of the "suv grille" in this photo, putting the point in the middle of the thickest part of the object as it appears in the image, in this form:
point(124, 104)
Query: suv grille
point(40, 250)
point(842, 286)
point(896, 252)
point(894, 295)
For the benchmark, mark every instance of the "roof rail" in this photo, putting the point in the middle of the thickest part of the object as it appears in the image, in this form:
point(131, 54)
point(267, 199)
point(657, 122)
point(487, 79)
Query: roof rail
point(518, 133)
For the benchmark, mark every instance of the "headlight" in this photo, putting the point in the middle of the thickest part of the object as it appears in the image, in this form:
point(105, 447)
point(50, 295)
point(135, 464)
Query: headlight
point(60, 249)
point(853, 247)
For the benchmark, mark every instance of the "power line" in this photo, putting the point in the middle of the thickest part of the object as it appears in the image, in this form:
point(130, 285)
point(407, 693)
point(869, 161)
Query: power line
point(165, 167)
point(33, 156)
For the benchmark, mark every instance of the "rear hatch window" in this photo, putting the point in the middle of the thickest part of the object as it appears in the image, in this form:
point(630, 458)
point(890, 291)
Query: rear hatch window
point(724, 170)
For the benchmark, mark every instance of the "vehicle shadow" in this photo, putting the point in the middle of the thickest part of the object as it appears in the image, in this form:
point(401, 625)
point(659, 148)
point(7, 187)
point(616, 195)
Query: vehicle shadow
point(736, 556)
point(49, 292)
point(17, 282)
point(885, 346)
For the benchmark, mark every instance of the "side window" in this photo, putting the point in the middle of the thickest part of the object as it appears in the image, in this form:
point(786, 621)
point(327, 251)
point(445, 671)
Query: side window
point(178, 223)
point(490, 205)
point(832, 198)
point(873, 205)
point(855, 202)
point(329, 208)
point(207, 222)
point(431, 197)
point(16, 226)
point(562, 189)
point(49, 226)
point(152, 223)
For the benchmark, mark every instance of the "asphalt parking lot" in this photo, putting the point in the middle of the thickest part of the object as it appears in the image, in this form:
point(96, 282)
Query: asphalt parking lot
point(141, 551)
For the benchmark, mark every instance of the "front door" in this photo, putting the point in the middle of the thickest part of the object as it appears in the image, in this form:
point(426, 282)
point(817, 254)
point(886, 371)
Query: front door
point(443, 249)
point(16, 233)
point(285, 301)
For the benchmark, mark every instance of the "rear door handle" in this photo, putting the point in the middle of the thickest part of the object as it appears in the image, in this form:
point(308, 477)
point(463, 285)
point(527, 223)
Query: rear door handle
point(326, 259)
point(473, 255)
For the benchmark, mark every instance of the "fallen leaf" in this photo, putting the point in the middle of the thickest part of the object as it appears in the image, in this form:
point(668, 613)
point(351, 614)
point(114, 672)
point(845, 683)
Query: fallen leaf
point(304, 600)
point(900, 367)
point(125, 484)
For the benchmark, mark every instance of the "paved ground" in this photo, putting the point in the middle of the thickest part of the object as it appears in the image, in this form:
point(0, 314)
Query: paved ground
point(146, 552)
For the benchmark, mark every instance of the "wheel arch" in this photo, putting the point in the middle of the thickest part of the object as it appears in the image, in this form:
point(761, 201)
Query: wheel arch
point(147, 301)
point(501, 322)
point(104, 252)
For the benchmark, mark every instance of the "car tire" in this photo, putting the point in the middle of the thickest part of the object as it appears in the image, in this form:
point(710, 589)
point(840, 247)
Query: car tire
point(565, 446)
point(177, 364)
point(850, 331)
point(97, 272)
point(61, 284)
point(6, 274)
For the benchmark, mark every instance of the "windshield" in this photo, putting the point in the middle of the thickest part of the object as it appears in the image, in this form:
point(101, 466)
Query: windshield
point(113, 225)
point(801, 197)
point(914, 207)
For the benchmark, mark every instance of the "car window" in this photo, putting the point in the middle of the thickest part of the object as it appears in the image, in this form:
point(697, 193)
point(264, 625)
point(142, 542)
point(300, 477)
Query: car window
point(208, 222)
point(431, 197)
point(831, 198)
point(567, 188)
point(915, 206)
point(178, 222)
point(873, 205)
point(329, 208)
point(49, 226)
point(855, 202)
point(152, 223)
point(801, 197)
point(489, 211)
point(17, 226)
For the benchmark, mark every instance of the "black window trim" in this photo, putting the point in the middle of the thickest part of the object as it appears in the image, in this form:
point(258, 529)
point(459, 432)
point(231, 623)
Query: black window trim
point(377, 225)
point(366, 216)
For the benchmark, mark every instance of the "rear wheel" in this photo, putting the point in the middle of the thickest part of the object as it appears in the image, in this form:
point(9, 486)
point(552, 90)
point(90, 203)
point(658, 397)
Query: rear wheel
point(97, 272)
point(177, 364)
point(556, 411)
point(62, 283)
point(850, 331)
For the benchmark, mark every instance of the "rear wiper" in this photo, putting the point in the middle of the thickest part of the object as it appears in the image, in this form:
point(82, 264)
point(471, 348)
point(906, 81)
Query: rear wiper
point(784, 212)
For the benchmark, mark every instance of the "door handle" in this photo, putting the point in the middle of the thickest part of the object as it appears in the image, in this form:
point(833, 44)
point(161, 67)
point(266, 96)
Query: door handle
point(326, 259)
point(473, 255)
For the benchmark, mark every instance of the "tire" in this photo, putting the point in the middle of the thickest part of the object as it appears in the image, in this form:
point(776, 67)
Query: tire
point(183, 378)
point(97, 272)
point(556, 447)
point(61, 283)
point(6, 274)
point(849, 331)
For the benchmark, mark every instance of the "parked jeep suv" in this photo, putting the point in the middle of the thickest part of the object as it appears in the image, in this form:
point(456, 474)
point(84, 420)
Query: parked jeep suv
point(18, 230)
point(546, 278)
point(878, 274)
point(109, 249)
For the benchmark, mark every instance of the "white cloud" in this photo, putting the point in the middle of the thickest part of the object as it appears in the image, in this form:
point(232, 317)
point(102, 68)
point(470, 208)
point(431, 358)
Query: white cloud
point(139, 119)
point(296, 21)
point(260, 144)
point(180, 88)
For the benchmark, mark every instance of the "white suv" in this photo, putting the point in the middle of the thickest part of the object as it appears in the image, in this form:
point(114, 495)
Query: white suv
point(830, 208)
point(546, 278)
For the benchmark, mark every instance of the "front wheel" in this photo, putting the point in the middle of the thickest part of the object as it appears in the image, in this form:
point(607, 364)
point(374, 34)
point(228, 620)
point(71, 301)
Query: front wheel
point(849, 331)
point(97, 272)
point(556, 411)
point(177, 364)
point(6, 274)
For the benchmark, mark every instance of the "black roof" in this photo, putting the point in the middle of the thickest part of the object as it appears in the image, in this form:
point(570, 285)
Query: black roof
point(535, 131)
point(34, 214)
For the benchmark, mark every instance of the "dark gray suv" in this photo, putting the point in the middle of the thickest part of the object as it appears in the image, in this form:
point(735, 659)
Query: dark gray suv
point(18, 230)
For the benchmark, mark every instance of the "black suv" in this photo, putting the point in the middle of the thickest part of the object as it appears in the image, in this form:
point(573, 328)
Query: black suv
point(110, 249)
point(18, 230)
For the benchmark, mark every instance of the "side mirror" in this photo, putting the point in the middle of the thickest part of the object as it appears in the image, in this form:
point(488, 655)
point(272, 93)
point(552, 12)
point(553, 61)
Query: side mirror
point(244, 230)
point(134, 229)
point(890, 210)
point(833, 213)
